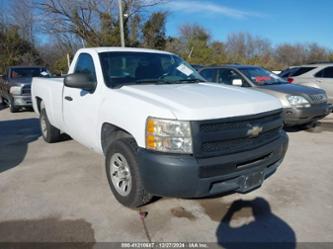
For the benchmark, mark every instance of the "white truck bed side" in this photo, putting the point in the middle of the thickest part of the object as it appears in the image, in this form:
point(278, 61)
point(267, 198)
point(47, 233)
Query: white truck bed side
point(50, 91)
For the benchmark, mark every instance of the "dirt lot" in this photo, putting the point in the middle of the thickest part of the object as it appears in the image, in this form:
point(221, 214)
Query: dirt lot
point(59, 192)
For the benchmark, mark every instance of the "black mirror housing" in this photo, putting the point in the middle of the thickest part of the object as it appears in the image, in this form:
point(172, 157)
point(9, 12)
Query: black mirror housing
point(80, 80)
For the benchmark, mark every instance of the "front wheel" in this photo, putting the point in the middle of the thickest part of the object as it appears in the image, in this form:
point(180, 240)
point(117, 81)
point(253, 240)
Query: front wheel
point(12, 107)
point(123, 174)
point(50, 133)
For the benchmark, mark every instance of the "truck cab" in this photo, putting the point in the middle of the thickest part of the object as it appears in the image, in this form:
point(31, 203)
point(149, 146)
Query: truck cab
point(163, 129)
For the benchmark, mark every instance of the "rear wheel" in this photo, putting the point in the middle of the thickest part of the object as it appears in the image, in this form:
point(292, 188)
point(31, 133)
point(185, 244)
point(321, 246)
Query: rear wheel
point(50, 133)
point(123, 174)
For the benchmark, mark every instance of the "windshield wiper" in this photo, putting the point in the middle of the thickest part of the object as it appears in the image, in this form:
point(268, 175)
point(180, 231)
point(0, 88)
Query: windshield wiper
point(160, 81)
point(156, 81)
point(190, 80)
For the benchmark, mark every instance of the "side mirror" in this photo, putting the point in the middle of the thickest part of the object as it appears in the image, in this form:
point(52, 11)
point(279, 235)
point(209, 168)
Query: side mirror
point(81, 81)
point(237, 82)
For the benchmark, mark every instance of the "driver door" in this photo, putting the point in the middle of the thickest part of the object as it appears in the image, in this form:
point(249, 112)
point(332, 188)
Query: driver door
point(80, 107)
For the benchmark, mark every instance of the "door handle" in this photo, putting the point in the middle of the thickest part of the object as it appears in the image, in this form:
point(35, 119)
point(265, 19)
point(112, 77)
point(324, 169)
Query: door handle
point(69, 98)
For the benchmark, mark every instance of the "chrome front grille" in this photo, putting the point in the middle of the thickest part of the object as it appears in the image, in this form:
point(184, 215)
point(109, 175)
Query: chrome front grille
point(26, 90)
point(318, 98)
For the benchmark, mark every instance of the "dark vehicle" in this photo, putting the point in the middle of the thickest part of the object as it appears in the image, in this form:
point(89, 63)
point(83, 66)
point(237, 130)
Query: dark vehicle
point(197, 66)
point(302, 105)
point(15, 85)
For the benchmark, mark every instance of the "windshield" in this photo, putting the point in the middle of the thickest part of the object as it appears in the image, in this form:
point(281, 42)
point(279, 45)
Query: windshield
point(28, 72)
point(260, 76)
point(128, 68)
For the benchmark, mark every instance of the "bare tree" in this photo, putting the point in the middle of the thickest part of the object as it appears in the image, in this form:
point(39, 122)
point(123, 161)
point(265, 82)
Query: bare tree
point(317, 53)
point(290, 54)
point(21, 15)
point(95, 21)
point(245, 48)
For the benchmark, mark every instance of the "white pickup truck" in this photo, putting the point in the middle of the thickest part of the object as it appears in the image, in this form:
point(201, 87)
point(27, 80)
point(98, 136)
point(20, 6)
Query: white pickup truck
point(163, 129)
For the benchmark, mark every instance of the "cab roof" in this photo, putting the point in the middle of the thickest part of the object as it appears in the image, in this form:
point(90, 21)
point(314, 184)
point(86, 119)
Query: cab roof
point(121, 49)
point(239, 66)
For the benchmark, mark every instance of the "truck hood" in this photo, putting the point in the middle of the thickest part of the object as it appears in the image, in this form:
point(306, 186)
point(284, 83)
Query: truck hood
point(203, 101)
point(20, 81)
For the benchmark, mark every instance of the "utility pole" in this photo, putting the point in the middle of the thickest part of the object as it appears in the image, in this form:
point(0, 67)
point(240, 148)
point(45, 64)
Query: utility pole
point(121, 23)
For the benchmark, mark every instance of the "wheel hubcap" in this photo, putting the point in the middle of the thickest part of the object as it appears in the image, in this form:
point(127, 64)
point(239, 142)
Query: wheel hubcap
point(120, 174)
point(43, 126)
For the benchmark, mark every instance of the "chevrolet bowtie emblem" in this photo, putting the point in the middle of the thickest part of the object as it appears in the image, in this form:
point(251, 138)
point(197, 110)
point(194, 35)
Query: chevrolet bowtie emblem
point(254, 131)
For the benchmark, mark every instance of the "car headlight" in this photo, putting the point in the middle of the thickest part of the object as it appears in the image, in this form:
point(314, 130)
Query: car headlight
point(168, 136)
point(15, 90)
point(298, 101)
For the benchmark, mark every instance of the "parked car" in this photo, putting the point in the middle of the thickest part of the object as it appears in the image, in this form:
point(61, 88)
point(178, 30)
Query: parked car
point(301, 105)
point(163, 130)
point(314, 75)
point(15, 86)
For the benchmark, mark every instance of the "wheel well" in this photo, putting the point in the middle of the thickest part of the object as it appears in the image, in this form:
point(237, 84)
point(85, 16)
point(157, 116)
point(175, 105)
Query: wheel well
point(111, 133)
point(39, 101)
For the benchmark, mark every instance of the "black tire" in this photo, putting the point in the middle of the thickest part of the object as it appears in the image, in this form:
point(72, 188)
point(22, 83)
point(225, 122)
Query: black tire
point(50, 133)
point(12, 107)
point(137, 196)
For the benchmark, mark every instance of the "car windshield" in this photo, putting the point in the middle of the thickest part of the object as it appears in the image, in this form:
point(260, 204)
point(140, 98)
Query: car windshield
point(128, 68)
point(28, 72)
point(260, 76)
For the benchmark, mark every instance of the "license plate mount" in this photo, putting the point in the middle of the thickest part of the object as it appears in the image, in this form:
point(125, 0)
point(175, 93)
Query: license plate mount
point(252, 181)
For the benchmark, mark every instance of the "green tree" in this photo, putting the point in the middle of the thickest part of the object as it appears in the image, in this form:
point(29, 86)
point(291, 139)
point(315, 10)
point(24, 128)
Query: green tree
point(196, 40)
point(16, 51)
point(154, 31)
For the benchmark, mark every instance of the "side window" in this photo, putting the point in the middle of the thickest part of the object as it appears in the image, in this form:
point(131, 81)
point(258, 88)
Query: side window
point(226, 76)
point(85, 64)
point(325, 73)
point(301, 70)
point(209, 74)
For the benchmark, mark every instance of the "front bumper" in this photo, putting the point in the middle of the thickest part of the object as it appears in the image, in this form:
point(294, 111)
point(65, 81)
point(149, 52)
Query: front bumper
point(299, 116)
point(22, 101)
point(187, 176)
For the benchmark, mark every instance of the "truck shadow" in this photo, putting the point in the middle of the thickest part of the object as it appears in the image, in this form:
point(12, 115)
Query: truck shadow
point(15, 136)
point(322, 126)
point(2, 107)
point(262, 229)
point(318, 128)
point(26, 109)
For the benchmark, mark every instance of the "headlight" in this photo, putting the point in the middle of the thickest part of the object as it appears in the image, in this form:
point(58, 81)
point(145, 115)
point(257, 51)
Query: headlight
point(15, 90)
point(168, 136)
point(298, 101)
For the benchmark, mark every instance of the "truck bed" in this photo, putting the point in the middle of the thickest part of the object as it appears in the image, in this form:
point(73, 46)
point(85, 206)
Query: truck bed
point(50, 90)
